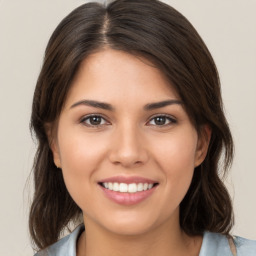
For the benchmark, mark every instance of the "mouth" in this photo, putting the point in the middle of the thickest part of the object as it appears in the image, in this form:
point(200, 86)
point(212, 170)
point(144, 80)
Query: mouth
point(128, 190)
point(128, 187)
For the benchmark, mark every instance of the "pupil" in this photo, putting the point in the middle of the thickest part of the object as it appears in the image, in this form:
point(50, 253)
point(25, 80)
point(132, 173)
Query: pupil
point(160, 120)
point(95, 120)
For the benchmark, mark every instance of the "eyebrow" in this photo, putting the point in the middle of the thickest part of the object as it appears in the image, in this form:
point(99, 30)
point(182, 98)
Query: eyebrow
point(93, 103)
point(161, 104)
point(107, 106)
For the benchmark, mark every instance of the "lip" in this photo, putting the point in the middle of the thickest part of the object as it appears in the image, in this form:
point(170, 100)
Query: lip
point(128, 180)
point(127, 198)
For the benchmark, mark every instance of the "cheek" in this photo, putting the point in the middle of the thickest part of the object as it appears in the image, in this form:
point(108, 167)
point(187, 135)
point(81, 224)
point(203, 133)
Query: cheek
point(177, 152)
point(80, 151)
point(176, 158)
point(81, 156)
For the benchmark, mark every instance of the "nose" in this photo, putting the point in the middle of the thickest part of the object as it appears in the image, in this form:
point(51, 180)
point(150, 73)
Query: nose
point(128, 148)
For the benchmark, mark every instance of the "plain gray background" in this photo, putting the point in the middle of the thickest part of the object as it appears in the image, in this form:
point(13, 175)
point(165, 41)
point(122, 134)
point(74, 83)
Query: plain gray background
point(227, 26)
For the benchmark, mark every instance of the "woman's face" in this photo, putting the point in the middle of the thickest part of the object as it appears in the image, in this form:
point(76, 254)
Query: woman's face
point(125, 144)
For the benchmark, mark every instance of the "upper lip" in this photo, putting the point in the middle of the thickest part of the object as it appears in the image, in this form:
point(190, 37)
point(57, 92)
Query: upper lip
point(128, 179)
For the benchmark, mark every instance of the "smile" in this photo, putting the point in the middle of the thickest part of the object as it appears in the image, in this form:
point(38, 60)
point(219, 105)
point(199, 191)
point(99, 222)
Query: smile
point(127, 188)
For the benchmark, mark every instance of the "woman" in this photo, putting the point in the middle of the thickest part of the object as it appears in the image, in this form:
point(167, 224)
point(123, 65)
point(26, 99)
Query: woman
point(128, 115)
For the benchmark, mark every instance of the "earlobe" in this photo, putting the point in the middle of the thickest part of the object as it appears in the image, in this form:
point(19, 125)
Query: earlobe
point(56, 154)
point(52, 140)
point(203, 144)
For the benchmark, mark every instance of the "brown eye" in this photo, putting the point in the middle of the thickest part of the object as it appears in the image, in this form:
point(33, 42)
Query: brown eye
point(161, 120)
point(94, 120)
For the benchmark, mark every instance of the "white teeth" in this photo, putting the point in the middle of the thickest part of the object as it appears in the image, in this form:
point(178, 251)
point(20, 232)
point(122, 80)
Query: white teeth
point(140, 187)
point(123, 187)
point(110, 186)
point(130, 188)
point(116, 187)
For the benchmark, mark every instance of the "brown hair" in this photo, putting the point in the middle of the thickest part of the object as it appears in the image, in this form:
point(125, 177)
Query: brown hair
point(157, 32)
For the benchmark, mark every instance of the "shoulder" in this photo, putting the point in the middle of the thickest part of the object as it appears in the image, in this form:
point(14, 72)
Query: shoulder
point(245, 246)
point(65, 246)
point(218, 245)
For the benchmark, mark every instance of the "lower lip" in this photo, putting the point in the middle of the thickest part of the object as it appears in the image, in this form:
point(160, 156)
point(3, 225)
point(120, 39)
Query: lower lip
point(127, 198)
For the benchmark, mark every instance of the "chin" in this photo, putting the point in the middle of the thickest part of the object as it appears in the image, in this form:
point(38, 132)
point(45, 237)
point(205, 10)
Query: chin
point(130, 229)
point(130, 224)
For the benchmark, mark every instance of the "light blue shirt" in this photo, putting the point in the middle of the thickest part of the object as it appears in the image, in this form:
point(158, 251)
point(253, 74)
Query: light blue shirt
point(213, 245)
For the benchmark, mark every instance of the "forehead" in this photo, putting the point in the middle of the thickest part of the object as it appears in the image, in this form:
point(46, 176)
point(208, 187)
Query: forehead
point(109, 74)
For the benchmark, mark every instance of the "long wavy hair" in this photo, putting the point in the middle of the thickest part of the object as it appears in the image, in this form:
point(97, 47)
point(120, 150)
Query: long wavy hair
point(159, 33)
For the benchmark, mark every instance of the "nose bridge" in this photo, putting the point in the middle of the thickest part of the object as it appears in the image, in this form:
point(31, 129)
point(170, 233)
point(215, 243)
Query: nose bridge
point(128, 147)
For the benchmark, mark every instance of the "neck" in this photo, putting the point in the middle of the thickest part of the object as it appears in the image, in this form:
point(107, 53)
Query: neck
point(165, 240)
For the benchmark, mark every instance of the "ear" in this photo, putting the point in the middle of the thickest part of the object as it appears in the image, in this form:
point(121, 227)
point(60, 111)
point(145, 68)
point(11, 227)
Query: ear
point(203, 142)
point(51, 133)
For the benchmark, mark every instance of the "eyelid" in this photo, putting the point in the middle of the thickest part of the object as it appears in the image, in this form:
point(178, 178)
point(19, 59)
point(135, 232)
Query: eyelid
point(172, 119)
point(85, 117)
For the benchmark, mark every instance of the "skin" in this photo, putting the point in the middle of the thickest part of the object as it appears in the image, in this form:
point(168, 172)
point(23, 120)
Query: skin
point(128, 141)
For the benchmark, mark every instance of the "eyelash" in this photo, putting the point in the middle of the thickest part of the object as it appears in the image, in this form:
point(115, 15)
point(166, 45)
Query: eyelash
point(171, 120)
point(89, 118)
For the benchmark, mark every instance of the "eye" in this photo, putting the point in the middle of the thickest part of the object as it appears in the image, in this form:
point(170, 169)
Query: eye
point(162, 120)
point(94, 120)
